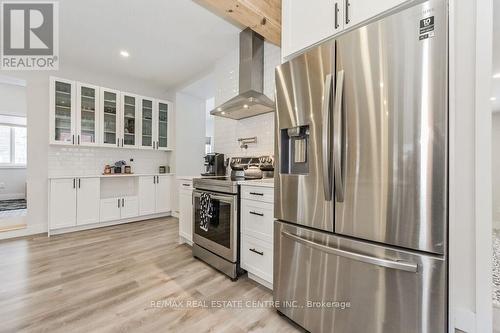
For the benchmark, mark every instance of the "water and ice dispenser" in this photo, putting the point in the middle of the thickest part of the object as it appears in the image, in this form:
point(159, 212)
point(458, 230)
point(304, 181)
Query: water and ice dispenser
point(295, 150)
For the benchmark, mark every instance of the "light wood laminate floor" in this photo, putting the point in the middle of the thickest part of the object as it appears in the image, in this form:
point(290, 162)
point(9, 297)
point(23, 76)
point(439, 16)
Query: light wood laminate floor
point(105, 280)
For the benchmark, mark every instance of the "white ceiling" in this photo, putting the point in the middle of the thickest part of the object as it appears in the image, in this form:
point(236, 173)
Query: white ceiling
point(170, 42)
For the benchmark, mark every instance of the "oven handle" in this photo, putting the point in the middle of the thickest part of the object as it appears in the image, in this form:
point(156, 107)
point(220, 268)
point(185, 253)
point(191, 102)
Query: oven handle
point(215, 196)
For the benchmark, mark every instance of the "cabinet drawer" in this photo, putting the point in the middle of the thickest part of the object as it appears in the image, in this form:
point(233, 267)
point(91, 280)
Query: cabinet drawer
point(257, 219)
point(258, 193)
point(186, 185)
point(257, 257)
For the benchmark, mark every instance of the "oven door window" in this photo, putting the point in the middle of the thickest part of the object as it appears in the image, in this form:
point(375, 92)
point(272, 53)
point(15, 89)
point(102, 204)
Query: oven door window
point(219, 227)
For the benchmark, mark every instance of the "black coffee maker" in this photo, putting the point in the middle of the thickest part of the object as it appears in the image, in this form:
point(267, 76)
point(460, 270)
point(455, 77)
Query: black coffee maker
point(214, 165)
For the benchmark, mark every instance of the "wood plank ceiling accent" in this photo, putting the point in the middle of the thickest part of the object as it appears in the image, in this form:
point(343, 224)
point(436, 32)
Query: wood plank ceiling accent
point(262, 16)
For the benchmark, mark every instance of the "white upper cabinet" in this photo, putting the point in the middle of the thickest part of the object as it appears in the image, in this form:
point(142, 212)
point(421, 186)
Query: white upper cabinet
point(357, 11)
point(62, 111)
point(87, 115)
point(129, 120)
point(306, 22)
point(110, 118)
point(83, 114)
point(147, 120)
point(162, 125)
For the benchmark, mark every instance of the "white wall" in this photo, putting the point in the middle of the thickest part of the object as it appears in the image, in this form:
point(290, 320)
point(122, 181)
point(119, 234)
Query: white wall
point(37, 92)
point(190, 134)
point(12, 103)
point(227, 131)
point(12, 100)
point(496, 169)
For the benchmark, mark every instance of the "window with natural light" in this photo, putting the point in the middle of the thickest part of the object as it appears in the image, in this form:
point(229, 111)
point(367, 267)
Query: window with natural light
point(13, 141)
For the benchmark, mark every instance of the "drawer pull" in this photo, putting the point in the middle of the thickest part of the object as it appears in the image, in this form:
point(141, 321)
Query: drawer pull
point(258, 252)
point(255, 213)
point(256, 193)
point(186, 185)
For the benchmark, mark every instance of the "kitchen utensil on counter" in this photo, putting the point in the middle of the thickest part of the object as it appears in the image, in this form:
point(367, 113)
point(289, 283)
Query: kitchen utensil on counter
point(253, 172)
point(107, 169)
point(128, 169)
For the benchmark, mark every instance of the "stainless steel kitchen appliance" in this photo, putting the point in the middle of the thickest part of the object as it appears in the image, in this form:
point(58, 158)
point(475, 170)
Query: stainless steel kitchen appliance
point(219, 244)
point(361, 187)
point(214, 165)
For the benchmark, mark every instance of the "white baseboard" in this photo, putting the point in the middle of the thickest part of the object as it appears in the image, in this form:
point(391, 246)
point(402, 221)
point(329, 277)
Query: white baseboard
point(184, 239)
point(261, 281)
point(12, 196)
point(106, 224)
point(28, 231)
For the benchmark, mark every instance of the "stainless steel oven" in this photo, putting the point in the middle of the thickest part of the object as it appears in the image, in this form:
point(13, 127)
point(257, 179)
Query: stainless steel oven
point(218, 244)
point(221, 236)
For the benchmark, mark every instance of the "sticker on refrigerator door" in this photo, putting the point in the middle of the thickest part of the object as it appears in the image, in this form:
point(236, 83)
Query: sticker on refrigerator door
point(426, 29)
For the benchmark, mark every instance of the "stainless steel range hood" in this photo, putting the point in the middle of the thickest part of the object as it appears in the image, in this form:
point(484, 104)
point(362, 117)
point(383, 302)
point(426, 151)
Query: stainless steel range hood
point(250, 101)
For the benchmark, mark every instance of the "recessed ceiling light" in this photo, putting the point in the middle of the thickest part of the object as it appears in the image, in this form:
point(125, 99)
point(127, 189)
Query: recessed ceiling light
point(493, 99)
point(219, 109)
point(124, 54)
point(222, 112)
point(245, 106)
point(496, 76)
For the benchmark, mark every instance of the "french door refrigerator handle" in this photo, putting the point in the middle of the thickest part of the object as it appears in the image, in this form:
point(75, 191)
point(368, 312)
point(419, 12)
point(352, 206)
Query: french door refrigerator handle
point(399, 265)
point(337, 138)
point(327, 175)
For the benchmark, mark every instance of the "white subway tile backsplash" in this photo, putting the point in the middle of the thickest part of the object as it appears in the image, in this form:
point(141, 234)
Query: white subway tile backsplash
point(83, 161)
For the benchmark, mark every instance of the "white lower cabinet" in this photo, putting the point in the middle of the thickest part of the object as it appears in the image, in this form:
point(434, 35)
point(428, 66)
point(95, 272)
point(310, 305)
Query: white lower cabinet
point(77, 201)
point(130, 207)
point(155, 194)
point(110, 209)
point(119, 208)
point(62, 203)
point(257, 258)
point(186, 212)
point(257, 222)
point(87, 200)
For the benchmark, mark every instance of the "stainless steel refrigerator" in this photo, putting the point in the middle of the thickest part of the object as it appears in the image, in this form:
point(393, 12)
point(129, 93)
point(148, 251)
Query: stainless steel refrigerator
point(361, 192)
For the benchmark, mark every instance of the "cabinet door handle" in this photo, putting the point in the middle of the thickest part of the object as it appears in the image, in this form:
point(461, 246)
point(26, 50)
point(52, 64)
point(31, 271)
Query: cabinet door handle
point(336, 15)
point(347, 5)
point(258, 252)
point(255, 213)
point(74, 182)
point(122, 142)
point(154, 179)
point(79, 182)
point(157, 179)
point(118, 203)
point(256, 193)
point(187, 185)
point(118, 142)
point(123, 202)
point(78, 139)
point(73, 139)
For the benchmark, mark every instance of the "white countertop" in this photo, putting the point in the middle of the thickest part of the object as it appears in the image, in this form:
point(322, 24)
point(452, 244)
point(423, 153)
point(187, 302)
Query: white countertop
point(267, 182)
point(190, 178)
point(116, 175)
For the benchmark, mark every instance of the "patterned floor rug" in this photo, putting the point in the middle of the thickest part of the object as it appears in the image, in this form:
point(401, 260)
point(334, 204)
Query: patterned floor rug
point(496, 267)
point(13, 204)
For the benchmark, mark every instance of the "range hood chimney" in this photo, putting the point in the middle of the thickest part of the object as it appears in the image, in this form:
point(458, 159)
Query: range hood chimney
point(250, 101)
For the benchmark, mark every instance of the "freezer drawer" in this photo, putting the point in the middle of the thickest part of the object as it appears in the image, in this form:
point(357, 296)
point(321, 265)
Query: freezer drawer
point(327, 283)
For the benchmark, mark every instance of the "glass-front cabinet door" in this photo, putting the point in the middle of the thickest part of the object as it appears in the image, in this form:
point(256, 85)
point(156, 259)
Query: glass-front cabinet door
point(162, 142)
point(146, 106)
point(62, 113)
point(110, 120)
point(87, 114)
point(129, 120)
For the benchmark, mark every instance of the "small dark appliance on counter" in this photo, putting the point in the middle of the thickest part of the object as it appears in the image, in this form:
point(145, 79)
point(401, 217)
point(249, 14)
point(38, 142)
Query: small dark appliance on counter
point(214, 165)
